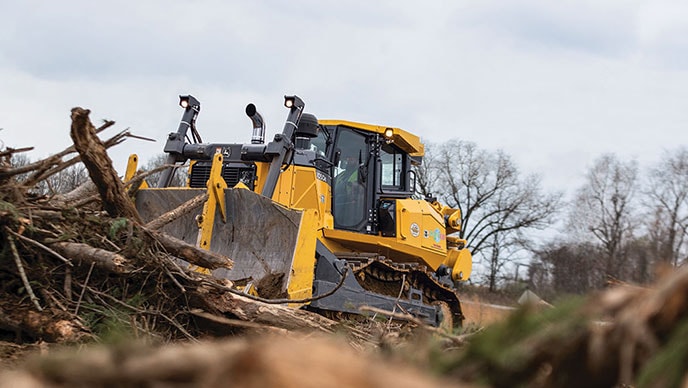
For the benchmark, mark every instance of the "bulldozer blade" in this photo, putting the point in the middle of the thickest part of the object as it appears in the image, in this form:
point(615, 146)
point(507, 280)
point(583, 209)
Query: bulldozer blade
point(259, 235)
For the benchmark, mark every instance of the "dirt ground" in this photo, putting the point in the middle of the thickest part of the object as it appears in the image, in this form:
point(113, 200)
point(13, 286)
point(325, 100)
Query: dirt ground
point(479, 312)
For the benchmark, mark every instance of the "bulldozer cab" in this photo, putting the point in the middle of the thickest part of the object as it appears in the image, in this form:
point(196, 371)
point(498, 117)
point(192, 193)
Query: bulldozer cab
point(369, 171)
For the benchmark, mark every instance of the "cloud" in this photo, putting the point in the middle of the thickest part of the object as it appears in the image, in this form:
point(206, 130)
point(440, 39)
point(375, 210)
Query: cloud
point(552, 83)
point(562, 26)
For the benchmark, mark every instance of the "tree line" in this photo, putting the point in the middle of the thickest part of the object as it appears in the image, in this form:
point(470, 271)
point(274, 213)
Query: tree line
point(621, 224)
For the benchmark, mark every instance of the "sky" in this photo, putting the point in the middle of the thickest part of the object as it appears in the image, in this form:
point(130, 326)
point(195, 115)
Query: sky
point(554, 84)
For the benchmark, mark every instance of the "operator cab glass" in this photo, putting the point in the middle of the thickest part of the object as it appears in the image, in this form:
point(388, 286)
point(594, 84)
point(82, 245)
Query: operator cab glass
point(348, 188)
point(319, 143)
point(393, 167)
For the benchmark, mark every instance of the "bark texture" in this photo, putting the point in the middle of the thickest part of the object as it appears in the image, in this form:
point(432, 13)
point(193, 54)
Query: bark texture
point(94, 156)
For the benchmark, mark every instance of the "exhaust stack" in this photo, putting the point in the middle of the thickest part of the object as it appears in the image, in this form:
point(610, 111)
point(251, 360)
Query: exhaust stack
point(258, 136)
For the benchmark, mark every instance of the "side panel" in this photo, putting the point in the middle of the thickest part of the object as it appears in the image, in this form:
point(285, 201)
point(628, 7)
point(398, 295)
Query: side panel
point(419, 225)
point(420, 236)
point(353, 243)
point(301, 188)
point(261, 173)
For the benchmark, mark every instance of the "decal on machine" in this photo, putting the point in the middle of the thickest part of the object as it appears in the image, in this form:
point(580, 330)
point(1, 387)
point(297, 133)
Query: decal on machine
point(321, 176)
point(415, 230)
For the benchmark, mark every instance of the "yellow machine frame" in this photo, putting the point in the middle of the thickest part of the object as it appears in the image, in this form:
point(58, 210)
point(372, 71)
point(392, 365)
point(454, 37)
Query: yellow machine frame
point(421, 227)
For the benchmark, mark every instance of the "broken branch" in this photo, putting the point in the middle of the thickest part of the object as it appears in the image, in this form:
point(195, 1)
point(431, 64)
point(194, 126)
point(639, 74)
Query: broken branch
point(22, 273)
point(95, 158)
point(174, 214)
point(188, 252)
point(87, 254)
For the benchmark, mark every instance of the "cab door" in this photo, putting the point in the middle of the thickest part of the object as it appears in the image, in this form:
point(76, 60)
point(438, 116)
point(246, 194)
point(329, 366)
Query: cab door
point(349, 193)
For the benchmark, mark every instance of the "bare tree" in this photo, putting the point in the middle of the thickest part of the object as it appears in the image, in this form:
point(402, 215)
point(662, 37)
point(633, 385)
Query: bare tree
point(539, 278)
point(570, 265)
point(20, 160)
point(64, 181)
point(666, 195)
point(603, 210)
point(178, 178)
point(426, 174)
point(60, 182)
point(497, 205)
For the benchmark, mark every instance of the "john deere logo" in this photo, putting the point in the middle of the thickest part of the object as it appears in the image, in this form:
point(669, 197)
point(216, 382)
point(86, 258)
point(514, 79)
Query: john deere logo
point(415, 230)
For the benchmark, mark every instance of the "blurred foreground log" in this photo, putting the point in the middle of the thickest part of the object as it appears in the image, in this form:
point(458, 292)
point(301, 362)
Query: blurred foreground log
point(625, 336)
point(272, 361)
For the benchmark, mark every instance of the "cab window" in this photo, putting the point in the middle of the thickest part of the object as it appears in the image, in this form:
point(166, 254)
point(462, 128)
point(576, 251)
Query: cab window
point(349, 194)
point(319, 143)
point(392, 168)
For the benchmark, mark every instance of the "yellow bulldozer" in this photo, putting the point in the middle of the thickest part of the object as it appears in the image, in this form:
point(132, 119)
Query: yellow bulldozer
point(325, 215)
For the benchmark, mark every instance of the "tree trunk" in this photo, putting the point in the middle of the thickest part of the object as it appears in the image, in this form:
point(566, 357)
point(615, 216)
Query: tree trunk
point(190, 253)
point(87, 254)
point(94, 156)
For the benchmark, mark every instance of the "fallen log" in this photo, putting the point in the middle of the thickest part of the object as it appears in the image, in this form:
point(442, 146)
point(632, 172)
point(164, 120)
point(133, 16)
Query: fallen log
point(95, 158)
point(84, 253)
point(237, 323)
point(181, 210)
point(190, 253)
point(49, 325)
point(221, 303)
point(84, 190)
point(263, 361)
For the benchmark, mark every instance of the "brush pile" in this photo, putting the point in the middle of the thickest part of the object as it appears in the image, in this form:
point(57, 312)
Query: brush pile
point(81, 264)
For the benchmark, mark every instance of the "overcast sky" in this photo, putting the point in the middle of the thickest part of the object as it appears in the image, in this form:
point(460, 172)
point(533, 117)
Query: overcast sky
point(552, 83)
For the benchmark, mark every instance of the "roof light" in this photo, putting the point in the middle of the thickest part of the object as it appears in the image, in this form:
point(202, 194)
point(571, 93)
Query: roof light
point(389, 132)
point(184, 101)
